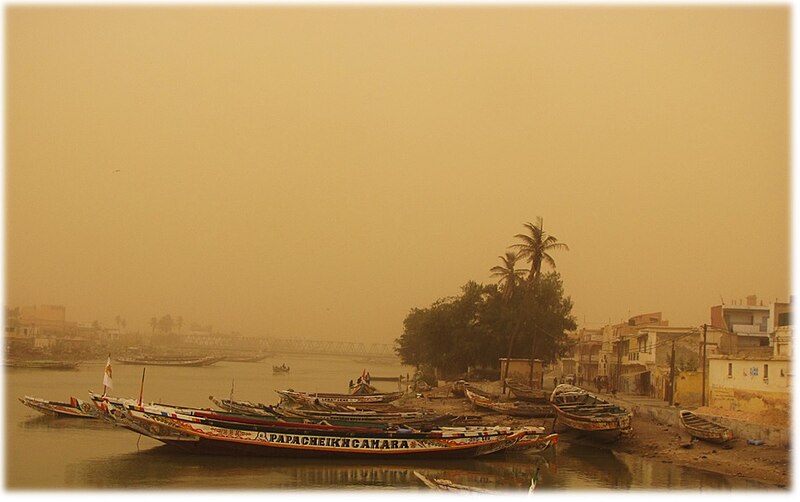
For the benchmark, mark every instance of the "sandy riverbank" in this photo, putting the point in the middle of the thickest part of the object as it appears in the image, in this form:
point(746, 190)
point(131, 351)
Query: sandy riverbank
point(766, 463)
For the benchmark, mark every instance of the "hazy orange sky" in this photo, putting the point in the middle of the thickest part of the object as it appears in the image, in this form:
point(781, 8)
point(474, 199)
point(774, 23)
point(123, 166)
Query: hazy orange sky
point(317, 172)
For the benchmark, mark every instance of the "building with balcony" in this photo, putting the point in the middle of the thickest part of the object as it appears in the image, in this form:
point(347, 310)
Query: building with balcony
point(587, 354)
point(749, 325)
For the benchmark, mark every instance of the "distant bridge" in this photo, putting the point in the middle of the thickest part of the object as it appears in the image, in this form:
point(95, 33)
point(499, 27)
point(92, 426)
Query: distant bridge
point(303, 346)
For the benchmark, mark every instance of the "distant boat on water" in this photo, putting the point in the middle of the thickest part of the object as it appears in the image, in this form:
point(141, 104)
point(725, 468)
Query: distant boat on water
point(246, 359)
point(170, 360)
point(44, 364)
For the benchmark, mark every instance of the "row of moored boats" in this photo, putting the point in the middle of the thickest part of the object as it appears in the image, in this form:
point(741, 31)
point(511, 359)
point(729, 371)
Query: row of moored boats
point(306, 424)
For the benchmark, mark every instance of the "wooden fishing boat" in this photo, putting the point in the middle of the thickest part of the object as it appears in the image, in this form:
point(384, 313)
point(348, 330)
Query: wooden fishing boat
point(457, 389)
point(447, 485)
point(301, 398)
point(515, 409)
point(190, 361)
point(43, 364)
point(245, 359)
point(238, 406)
point(248, 436)
point(387, 378)
point(74, 408)
point(525, 392)
point(362, 389)
point(278, 370)
point(706, 430)
point(578, 409)
point(535, 442)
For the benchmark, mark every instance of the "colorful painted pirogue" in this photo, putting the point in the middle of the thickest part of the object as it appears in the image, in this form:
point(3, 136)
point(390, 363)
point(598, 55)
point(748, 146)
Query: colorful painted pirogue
point(511, 408)
point(201, 431)
point(525, 392)
point(578, 409)
point(535, 441)
point(706, 430)
point(74, 408)
point(303, 398)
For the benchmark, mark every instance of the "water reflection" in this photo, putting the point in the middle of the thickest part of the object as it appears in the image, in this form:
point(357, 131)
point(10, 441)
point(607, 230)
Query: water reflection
point(64, 423)
point(166, 467)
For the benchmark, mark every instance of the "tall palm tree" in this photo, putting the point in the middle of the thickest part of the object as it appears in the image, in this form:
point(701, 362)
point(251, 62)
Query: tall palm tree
point(536, 246)
point(509, 277)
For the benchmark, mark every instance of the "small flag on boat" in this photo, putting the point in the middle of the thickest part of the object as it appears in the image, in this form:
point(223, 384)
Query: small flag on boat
point(107, 376)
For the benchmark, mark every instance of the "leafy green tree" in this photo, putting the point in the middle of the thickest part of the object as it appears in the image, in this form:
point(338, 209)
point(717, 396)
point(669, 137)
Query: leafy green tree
point(518, 317)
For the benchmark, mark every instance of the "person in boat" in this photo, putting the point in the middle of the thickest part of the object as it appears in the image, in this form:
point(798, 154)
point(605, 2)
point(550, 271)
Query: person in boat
point(367, 379)
point(351, 383)
point(555, 382)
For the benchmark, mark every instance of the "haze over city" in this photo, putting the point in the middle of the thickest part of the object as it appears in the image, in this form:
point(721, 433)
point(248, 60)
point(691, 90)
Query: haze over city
point(318, 172)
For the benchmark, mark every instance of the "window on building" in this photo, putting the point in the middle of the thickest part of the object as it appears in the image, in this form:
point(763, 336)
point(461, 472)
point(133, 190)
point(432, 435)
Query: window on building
point(766, 371)
point(730, 370)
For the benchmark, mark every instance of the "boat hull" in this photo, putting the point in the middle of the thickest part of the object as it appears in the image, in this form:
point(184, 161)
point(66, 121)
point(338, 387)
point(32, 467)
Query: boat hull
point(202, 361)
point(580, 410)
point(197, 437)
point(74, 409)
point(703, 429)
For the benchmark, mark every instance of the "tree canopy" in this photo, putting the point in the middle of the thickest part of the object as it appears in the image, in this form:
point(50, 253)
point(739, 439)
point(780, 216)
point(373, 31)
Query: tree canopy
point(486, 322)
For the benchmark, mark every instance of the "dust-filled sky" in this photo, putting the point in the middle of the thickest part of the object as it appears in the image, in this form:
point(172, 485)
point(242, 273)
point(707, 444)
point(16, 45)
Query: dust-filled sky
point(317, 172)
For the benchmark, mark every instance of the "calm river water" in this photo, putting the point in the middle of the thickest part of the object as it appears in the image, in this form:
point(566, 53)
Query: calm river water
point(45, 452)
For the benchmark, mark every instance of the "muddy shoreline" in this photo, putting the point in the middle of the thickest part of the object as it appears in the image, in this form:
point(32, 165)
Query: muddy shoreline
point(769, 464)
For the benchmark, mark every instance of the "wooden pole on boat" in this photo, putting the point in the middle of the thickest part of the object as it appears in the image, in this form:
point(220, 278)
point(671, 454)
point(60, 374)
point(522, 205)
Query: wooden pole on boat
point(703, 395)
point(672, 375)
point(141, 389)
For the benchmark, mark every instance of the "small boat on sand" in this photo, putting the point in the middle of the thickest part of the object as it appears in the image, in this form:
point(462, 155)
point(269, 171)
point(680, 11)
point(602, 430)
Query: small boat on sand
point(706, 430)
point(511, 408)
point(74, 408)
point(280, 370)
point(578, 409)
point(525, 392)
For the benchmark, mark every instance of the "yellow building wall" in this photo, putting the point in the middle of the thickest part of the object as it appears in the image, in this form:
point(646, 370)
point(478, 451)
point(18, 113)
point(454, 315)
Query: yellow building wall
point(742, 386)
point(689, 388)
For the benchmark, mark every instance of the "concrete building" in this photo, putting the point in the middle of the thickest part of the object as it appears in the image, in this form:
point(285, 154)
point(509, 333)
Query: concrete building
point(568, 363)
point(587, 354)
point(530, 371)
point(752, 371)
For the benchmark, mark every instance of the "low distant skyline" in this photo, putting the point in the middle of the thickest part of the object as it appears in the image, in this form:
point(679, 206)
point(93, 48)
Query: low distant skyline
point(318, 172)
